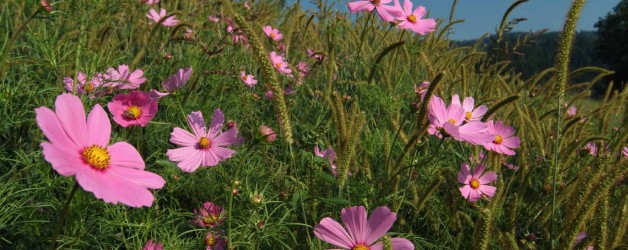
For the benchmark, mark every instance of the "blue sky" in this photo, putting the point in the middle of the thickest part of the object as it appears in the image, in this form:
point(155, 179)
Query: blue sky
point(482, 16)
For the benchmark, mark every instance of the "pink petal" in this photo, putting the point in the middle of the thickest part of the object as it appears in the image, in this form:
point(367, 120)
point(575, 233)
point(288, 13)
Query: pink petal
point(197, 123)
point(53, 130)
point(488, 178)
point(113, 190)
point(355, 221)
point(63, 161)
point(455, 100)
point(227, 138)
point(438, 109)
point(465, 173)
point(360, 5)
point(397, 244)
point(487, 190)
point(99, 126)
point(156, 94)
point(126, 156)
point(379, 223)
point(71, 114)
point(479, 111)
point(184, 138)
point(330, 231)
point(477, 172)
point(189, 158)
point(467, 104)
point(216, 124)
point(474, 195)
point(139, 177)
point(512, 142)
point(219, 154)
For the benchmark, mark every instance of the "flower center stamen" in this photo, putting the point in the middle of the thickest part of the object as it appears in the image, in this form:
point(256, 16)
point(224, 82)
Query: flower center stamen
point(498, 139)
point(89, 87)
point(272, 35)
point(412, 18)
point(204, 143)
point(474, 183)
point(210, 219)
point(210, 241)
point(360, 247)
point(278, 65)
point(468, 116)
point(96, 156)
point(375, 1)
point(452, 121)
point(132, 112)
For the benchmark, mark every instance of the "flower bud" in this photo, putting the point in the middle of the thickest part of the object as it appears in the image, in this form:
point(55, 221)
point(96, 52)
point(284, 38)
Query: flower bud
point(266, 134)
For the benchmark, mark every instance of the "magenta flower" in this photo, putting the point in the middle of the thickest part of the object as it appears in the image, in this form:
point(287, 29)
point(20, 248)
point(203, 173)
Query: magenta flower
point(249, 80)
point(266, 134)
point(412, 19)
point(386, 12)
point(210, 215)
point(204, 147)
point(123, 78)
point(571, 111)
point(215, 241)
point(330, 155)
point(470, 112)
point(475, 185)
point(78, 147)
point(153, 245)
point(173, 82)
point(279, 63)
point(503, 141)
point(452, 121)
point(273, 33)
point(132, 109)
point(360, 233)
point(156, 17)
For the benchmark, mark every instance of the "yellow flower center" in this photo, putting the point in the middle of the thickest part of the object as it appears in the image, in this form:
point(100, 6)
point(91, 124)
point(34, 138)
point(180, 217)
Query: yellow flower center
point(468, 116)
point(133, 112)
point(475, 184)
point(210, 241)
point(272, 35)
point(204, 143)
point(245, 77)
point(89, 87)
point(412, 18)
point(498, 139)
point(278, 65)
point(210, 219)
point(97, 157)
point(375, 1)
point(360, 247)
point(452, 121)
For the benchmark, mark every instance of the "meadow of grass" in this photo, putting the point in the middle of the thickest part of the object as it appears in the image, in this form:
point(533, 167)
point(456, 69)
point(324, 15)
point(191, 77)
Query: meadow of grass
point(357, 98)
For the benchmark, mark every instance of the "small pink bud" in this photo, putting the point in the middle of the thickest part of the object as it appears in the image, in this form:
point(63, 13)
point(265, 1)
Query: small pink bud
point(231, 124)
point(168, 56)
point(266, 134)
point(234, 192)
point(46, 5)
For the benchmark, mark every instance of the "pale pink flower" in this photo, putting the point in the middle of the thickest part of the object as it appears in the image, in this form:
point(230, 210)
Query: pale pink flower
point(470, 112)
point(123, 78)
point(279, 63)
point(452, 121)
point(78, 147)
point(249, 80)
point(303, 68)
point(215, 241)
point(189, 34)
point(266, 134)
point(132, 109)
point(475, 185)
point(210, 215)
point(173, 82)
point(273, 33)
point(421, 89)
point(247, 6)
point(571, 111)
point(85, 86)
point(204, 147)
point(503, 141)
point(213, 19)
point(386, 12)
point(592, 148)
point(156, 17)
point(153, 245)
point(316, 56)
point(150, 2)
point(358, 232)
point(412, 19)
point(330, 155)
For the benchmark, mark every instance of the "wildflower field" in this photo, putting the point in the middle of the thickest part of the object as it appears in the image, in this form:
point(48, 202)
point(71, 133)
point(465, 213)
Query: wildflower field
point(204, 124)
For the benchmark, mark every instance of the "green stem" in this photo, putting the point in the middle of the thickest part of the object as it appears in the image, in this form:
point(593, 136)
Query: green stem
point(364, 33)
point(62, 216)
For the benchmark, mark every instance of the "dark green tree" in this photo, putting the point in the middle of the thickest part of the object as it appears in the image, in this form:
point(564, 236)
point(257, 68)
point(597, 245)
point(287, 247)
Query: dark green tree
point(612, 44)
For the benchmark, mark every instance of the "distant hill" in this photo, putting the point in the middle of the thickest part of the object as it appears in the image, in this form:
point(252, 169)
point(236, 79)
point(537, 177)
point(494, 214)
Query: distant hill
point(539, 53)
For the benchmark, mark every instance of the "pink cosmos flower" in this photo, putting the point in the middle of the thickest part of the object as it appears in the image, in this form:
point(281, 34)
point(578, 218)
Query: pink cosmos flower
point(247, 6)
point(360, 233)
point(132, 109)
point(412, 19)
point(571, 111)
point(249, 80)
point(204, 147)
point(153, 245)
point(316, 56)
point(150, 2)
point(266, 134)
point(303, 69)
point(215, 241)
point(85, 86)
point(421, 89)
point(279, 63)
point(503, 140)
point(123, 78)
point(268, 95)
point(386, 12)
point(452, 120)
point(213, 19)
point(273, 33)
point(470, 112)
point(210, 215)
point(78, 147)
point(475, 185)
point(330, 155)
point(156, 17)
point(592, 148)
point(173, 82)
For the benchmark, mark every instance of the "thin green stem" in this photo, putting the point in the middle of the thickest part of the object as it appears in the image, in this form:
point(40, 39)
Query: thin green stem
point(62, 216)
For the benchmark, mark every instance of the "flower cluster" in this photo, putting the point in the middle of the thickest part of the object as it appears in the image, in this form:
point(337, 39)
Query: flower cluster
point(404, 17)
